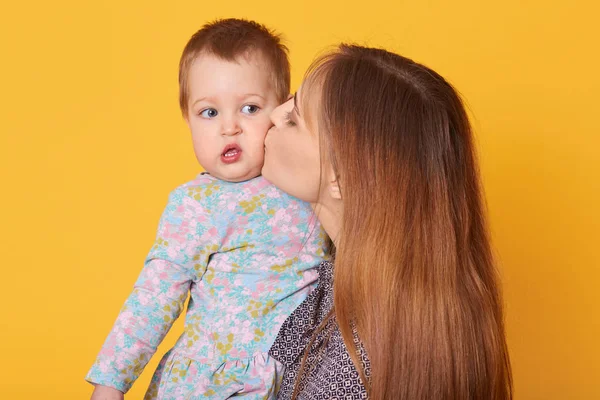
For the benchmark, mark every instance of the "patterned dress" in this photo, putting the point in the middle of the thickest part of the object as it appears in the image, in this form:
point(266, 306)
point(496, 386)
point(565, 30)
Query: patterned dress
point(329, 373)
point(246, 252)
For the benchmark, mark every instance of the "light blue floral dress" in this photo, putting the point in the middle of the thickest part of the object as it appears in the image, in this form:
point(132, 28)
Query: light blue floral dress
point(246, 252)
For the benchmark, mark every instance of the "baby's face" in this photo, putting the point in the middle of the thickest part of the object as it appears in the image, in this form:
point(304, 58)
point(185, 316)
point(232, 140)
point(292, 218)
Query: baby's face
point(229, 108)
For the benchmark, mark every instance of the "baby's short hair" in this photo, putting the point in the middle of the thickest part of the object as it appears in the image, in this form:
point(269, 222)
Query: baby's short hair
point(229, 39)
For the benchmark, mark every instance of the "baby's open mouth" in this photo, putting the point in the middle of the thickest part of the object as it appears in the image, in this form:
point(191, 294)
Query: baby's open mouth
point(231, 153)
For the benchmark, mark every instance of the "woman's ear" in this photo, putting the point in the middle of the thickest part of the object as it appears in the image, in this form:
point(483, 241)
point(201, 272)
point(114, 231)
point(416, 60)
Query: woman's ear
point(333, 185)
point(335, 190)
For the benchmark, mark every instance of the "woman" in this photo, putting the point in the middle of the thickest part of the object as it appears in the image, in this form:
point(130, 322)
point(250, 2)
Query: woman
point(382, 148)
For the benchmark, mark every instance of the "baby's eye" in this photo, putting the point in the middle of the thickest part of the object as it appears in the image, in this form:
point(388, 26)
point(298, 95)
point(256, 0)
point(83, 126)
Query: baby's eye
point(209, 113)
point(250, 109)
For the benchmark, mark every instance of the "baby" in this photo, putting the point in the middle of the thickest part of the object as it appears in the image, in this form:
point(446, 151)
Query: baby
point(244, 250)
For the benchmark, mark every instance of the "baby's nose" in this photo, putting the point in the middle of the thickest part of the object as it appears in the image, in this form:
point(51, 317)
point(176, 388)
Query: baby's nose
point(231, 127)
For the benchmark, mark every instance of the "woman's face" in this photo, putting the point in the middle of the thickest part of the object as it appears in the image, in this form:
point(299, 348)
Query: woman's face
point(292, 158)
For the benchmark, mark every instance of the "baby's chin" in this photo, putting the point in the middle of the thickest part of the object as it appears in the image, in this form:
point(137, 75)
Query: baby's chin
point(237, 176)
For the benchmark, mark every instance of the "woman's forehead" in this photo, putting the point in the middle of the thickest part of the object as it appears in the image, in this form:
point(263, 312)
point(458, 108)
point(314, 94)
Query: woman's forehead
point(307, 100)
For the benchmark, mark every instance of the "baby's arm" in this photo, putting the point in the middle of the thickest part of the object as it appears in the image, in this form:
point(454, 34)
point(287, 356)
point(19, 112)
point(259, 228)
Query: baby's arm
point(107, 393)
point(158, 296)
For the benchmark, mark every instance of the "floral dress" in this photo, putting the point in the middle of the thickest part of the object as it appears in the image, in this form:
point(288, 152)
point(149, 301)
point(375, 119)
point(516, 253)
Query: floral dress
point(246, 252)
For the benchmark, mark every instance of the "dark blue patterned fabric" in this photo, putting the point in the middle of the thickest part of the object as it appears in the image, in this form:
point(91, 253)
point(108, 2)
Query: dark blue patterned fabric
point(329, 372)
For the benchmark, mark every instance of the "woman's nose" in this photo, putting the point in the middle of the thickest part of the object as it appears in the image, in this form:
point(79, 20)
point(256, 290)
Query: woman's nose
point(277, 114)
point(269, 131)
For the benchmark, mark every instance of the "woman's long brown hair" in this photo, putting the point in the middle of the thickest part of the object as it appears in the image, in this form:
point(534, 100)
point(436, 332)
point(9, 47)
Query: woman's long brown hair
point(414, 269)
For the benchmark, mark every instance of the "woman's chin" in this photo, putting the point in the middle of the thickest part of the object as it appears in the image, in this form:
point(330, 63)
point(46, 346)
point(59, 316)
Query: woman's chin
point(266, 172)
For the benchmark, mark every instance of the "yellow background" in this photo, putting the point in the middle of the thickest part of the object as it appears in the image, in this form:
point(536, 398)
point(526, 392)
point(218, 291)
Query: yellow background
point(92, 142)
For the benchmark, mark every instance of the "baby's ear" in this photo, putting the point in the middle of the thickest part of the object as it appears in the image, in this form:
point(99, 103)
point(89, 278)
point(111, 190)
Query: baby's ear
point(186, 119)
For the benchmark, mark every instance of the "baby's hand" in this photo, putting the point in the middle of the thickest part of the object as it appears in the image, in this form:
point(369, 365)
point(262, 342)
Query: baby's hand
point(107, 393)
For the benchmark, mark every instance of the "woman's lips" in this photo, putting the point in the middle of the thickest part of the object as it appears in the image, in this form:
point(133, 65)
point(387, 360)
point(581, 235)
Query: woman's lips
point(231, 153)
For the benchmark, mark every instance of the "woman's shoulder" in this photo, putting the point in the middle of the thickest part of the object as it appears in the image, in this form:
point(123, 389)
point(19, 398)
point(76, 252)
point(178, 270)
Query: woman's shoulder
point(312, 331)
point(333, 373)
point(329, 371)
point(295, 333)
